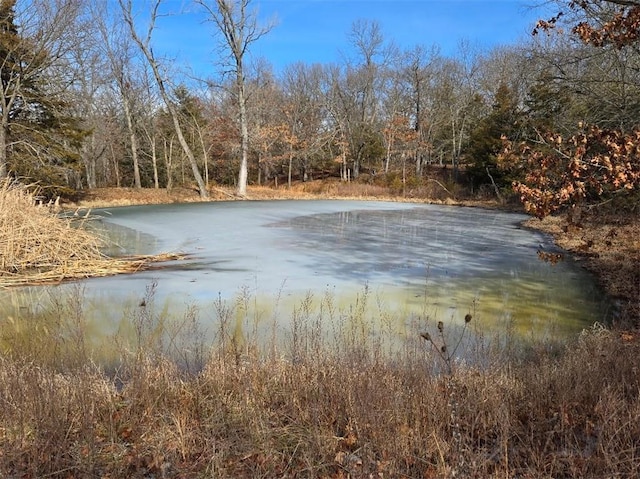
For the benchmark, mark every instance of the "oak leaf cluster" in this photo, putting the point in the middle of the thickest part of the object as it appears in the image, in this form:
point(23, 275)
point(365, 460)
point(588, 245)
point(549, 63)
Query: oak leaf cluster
point(591, 166)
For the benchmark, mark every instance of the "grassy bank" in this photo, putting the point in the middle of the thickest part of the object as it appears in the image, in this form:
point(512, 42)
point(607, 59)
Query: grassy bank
point(321, 405)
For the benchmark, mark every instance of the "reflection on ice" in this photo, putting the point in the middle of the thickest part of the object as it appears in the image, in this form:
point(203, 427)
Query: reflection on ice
point(419, 260)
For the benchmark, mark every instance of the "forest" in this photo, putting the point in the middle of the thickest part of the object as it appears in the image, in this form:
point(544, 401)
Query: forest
point(86, 103)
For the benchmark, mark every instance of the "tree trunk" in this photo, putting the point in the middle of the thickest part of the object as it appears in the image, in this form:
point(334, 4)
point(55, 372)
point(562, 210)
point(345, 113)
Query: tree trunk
point(387, 160)
point(148, 53)
point(244, 131)
point(290, 167)
point(90, 171)
point(259, 173)
point(344, 167)
point(116, 167)
point(202, 188)
point(168, 161)
point(3, 150)
point(134, 142)
point(239, 30)
point(154, 162)
point(89, 159)
point(7, 103)
point(205, 156)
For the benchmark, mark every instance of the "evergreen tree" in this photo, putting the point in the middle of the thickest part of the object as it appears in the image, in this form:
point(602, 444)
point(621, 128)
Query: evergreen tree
point(10, 51)
point(486, 139)
point(39, 136)
point(548, 106)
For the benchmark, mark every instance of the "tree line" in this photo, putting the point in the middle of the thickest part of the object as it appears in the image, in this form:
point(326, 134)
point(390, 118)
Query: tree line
point(86, 103)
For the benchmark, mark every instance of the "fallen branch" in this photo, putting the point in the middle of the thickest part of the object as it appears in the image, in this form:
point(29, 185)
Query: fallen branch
point(441, 186)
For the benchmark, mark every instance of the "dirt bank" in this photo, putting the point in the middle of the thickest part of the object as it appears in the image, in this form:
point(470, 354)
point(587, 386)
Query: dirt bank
point(609, 246)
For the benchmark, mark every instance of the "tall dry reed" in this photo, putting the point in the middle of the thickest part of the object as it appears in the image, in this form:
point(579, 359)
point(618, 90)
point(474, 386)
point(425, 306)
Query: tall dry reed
point(37, 245)
point(32, 237)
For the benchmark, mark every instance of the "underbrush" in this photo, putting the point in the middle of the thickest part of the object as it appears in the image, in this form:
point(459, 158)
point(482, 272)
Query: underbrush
point(389, 186)
point(327, 397)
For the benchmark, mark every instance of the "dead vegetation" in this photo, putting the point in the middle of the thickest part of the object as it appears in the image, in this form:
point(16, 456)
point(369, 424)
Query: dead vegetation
point(39, 246)
point(319, 405)
point(32, 237)
point(431, 190)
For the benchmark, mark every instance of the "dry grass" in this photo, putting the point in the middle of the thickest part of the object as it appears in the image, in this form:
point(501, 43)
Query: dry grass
point(436, 187)
point(38, 246)
point(331, 406)
point(110, 197)
point(101, 197)
point(31, 237)
point(431, 192)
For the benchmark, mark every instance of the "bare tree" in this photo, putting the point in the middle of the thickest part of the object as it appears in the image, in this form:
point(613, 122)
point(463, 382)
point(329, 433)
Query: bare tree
point(145, 47)
point(456, 99)
point(118, 50)
point(302, 113)
point(150, 127)
point(366, 37)
point(88, 102)
point(420, 75)
point(239, 29)
point(361, 89)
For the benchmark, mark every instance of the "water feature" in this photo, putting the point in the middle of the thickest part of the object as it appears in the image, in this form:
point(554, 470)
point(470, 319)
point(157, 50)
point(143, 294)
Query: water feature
point(428, 261)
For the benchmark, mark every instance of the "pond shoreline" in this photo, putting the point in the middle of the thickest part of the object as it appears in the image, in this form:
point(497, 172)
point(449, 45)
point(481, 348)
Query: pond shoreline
point(604, 244)
point(331, 406)
point(608, 247)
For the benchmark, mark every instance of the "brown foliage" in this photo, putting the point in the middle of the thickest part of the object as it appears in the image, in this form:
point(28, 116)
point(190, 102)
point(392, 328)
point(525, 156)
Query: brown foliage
point(620, 29)
point(590, 166)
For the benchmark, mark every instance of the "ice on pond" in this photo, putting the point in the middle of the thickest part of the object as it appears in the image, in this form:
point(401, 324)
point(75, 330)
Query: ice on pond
point(430, 260)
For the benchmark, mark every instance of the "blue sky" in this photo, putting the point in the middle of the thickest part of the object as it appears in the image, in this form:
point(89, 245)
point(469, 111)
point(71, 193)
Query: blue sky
point(315, 31)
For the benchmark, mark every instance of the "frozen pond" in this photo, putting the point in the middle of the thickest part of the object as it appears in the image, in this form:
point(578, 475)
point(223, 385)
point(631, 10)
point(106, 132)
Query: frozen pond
point(422, 260)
